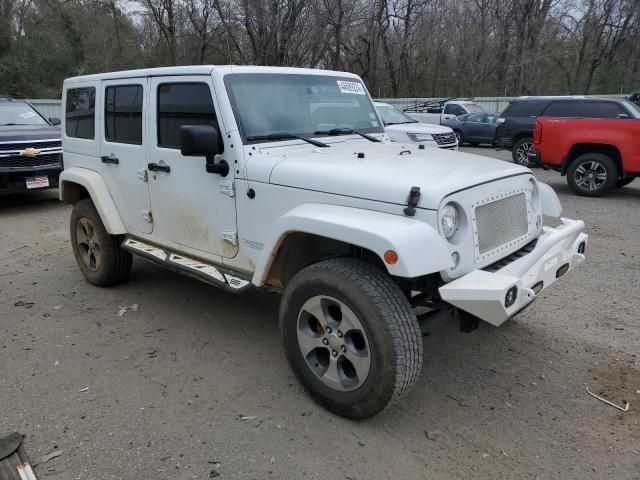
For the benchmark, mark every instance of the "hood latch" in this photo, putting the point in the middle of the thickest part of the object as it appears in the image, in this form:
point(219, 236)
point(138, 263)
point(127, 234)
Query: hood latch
point(412, 202)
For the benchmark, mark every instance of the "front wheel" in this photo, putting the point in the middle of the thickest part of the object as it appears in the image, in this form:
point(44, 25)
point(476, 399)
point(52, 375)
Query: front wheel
point(459, 137)
point(350, 336)
point(592, 174)
point(520, 151)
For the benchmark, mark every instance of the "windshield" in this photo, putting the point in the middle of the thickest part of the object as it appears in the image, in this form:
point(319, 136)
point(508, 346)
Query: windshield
point(635, 109)
point(473, 107)
point(267, 104)
point(19, 113)
point(392, 116)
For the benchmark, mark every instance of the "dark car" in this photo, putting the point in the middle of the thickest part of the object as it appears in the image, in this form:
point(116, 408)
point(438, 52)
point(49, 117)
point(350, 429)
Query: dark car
point(473, 128)
point(30, 148)
point(515, 125)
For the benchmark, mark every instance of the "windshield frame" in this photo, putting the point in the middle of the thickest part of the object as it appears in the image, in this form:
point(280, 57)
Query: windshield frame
point(228, 79)
point(26, 106)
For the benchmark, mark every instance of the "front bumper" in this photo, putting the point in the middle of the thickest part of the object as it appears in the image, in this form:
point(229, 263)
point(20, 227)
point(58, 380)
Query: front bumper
point(483, 293)
point(14, 180)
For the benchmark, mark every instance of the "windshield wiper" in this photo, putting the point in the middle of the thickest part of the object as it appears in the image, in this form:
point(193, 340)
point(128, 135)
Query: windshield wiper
point(401, 123)
point(346, 131)
point(287, 136)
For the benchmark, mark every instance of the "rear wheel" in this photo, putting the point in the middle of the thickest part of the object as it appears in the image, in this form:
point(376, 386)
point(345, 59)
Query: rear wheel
point(592, 174)
point(520, 151)
point(350, 336)
point(98, 254)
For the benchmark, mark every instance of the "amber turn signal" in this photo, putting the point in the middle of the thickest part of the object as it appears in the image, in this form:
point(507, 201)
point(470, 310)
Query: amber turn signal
point(391, 257)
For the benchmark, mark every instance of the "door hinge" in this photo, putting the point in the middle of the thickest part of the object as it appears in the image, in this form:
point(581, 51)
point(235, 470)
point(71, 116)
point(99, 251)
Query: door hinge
point(230, 237)
point(226, 187)
point(146, 214)
point(142, 174)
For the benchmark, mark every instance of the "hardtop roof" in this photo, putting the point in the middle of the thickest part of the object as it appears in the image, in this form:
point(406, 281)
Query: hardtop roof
point(201, 70)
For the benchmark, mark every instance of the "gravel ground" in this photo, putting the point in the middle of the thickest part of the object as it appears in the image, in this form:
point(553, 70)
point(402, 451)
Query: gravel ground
point(193, 384)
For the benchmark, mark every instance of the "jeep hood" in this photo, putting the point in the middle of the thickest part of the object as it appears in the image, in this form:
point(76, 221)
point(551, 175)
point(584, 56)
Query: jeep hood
point(387, 171)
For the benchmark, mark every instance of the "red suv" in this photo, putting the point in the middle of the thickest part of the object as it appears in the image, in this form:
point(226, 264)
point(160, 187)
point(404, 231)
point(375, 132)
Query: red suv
point(596, 154)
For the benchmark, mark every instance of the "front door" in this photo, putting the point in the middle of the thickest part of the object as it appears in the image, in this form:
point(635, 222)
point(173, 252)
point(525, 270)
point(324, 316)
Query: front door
point(122, 149)
point(193, 211)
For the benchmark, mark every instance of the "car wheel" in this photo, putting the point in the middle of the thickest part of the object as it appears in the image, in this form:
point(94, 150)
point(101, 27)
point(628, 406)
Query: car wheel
point(459, 137)
point(98, 254)
point(350, 336)
point(623, 182)
point(520, 151)
point(592, 174)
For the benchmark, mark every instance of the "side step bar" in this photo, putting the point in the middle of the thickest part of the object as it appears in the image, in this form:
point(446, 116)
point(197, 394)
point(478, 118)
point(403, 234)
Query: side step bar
point(215, 275)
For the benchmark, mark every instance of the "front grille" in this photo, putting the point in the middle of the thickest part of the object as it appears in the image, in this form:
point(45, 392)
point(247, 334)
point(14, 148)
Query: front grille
point(5, 147)
point(501, 221)
point(444, 138)
point(18, 161)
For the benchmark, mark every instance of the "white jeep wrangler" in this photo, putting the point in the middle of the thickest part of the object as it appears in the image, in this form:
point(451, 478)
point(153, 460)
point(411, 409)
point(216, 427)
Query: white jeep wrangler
point(282, 179)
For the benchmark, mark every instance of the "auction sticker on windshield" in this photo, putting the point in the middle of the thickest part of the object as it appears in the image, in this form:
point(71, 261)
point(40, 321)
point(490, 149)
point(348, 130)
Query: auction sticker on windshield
point(350, 87)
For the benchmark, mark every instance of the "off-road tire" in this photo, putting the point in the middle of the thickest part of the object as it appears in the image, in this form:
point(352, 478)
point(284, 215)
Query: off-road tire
point(389, 322)
point(606, 164)
point(518, 150)
point(115, 263)
point(623, 182)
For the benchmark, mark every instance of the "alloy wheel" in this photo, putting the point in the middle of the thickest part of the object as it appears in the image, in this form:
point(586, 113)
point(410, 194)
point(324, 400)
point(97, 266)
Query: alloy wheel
point(590, 176)
point(333, 342)
point(522, 151)
point(88, 245)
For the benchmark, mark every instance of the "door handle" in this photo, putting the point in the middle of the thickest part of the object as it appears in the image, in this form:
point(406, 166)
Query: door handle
point(110, 159)
point(154, 167)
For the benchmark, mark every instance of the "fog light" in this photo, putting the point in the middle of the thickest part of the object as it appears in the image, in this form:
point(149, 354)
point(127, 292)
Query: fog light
point(511, 296)
point(537, 287)
point(582, 247)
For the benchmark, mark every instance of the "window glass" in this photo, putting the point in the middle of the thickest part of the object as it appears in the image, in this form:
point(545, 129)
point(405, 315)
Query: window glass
point(392, 116)
point(452, 109)
point(524, 108)
point(563, 108)
point(300, 104)
point(474, 118)
point(473, 107)
point(182, 104)
point(15, 112)
point(123, 114)
point(602, 109)
point(490, 118)
point(80, 112)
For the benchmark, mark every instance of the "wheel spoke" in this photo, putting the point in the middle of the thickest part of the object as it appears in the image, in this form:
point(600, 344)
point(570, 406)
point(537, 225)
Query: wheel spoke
point(308, 343)
point(581, 170)
point(81, 232)
point(331, 375)
point(315, 308)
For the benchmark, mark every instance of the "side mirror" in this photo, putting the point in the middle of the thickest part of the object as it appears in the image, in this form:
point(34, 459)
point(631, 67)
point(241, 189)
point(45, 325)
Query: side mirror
point(199, 140)
point(203, 140)
point(54, 121)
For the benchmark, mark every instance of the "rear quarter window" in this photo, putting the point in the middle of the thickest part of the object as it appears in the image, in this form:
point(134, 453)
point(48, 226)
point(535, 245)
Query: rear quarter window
point(80, 112)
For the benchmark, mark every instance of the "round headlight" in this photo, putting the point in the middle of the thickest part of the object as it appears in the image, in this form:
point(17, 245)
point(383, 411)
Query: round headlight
point(449, 220)
point(533, 190)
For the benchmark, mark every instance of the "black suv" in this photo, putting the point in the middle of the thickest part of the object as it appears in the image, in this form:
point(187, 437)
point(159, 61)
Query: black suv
point(30, 148)
point(515, 125)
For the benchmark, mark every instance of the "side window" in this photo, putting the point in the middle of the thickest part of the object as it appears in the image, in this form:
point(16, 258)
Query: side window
point(123, 114)
point(474, 117)
point(454, 109)
point(565, 108)
point(182, 104)
point(80, 111)
point(523, 108)
point(602, 109)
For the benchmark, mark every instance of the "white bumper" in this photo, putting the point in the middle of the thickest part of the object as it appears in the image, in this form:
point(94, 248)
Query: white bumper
point(483, 293)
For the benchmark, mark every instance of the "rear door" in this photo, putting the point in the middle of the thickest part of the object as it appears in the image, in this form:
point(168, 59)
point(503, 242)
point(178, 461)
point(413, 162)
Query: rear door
point(193, 211)
point(562, 109)
point(123, 149)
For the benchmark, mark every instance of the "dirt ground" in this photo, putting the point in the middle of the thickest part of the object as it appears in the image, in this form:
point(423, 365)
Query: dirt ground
point(193, 384)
